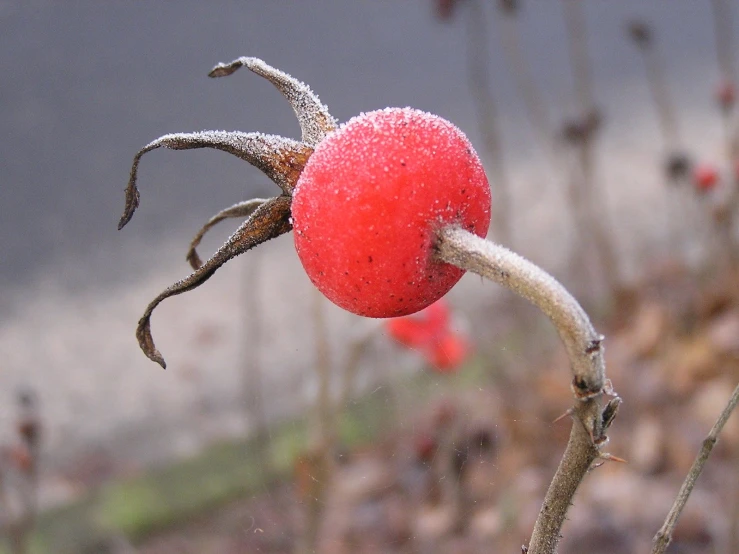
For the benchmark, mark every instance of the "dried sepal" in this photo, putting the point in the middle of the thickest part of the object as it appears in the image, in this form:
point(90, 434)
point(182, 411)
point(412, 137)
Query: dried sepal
point(240, 210)
point(280, 158)
point(268, 221)
point(314, 118)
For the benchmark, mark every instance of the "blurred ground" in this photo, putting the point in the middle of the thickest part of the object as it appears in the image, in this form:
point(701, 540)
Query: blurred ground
point(676, 364)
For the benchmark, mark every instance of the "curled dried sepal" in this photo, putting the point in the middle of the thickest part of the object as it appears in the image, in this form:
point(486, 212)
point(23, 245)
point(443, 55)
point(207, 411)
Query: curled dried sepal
point(240, 210)
point(314, 118)
point(268, 221)
point(281, 159)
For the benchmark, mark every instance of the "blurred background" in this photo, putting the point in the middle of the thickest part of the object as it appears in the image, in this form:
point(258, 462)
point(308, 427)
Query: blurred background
point(283, 424)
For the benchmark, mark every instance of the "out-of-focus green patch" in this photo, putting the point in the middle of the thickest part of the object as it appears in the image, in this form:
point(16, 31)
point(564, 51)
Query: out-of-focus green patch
point(169, 495)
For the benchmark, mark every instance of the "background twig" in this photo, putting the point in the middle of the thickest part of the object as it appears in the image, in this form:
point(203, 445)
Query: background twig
point(478, 72)
point(664, 535)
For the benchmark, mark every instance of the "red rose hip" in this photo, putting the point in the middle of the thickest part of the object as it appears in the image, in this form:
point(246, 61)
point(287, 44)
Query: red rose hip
point(369, 202)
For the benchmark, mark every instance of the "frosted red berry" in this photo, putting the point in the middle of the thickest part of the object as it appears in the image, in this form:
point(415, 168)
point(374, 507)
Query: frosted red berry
point(368, 205)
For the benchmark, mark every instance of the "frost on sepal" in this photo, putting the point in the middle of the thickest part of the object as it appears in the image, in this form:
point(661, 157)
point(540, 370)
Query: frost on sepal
point(314, 118)
point(268, 221)
point(280, 158)
point(240, 210)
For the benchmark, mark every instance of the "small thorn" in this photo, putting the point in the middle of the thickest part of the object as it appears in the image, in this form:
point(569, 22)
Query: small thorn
point(564, 415)
point(605, 456)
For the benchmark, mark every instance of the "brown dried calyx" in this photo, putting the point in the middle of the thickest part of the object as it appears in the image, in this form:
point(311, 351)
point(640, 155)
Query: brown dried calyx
point(281, 159)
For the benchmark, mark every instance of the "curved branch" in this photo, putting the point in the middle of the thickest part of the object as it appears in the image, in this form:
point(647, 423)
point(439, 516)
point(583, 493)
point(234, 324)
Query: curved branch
point(584, 347)
point(583, 343)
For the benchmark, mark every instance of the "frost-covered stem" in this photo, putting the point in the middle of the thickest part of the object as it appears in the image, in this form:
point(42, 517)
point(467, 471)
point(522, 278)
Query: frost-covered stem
point(579, 456)
point(582, 342)
point(478, 74)
point(664, 535)
point(584, 347)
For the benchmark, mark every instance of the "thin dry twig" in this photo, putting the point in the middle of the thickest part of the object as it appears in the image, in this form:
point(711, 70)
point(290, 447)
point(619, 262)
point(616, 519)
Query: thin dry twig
point(20, 525)
point(677, 164)
point(589, 209)
point(478, 72)
point(726, 220)
point(319, 456)
point(664, 535)
point(252, 375)
point(357, 350)
point(536, 108)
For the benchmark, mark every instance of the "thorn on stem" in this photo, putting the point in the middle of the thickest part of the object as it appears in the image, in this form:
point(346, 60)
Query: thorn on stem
point(564, 415)
point(606, 457)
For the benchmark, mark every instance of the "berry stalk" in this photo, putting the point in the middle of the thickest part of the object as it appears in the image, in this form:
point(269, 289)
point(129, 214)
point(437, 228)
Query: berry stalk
point(585, 349)
point(583, 343)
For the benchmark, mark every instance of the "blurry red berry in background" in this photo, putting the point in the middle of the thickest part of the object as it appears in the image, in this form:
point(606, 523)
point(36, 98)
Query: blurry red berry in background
point(437, 318)
point(425, 447)
point(422, 329)
point(406, 331)
point(705, 177)
point(21, 457)
point(429, 332)
point(726, 94)
point(448, 354)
